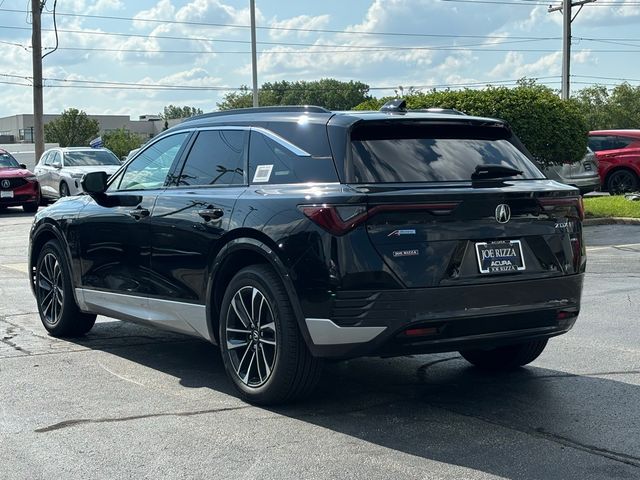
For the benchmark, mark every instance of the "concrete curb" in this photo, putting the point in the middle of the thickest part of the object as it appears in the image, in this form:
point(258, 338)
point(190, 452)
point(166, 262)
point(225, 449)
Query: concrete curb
point(589, 222)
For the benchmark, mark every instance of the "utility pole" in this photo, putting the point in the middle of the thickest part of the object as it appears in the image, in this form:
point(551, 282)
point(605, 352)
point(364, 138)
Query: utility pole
point(567, 19)
point(254, 59)
point(36, 44)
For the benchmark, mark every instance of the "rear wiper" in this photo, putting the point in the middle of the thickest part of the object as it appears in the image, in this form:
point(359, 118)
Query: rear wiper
point(494, 171)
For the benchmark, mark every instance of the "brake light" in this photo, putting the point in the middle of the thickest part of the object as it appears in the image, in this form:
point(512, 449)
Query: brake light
point(341, 219)
point(328, 217)
point(550, 204)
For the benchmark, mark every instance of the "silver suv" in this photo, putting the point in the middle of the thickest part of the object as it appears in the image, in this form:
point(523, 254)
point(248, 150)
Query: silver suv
point(60, 170)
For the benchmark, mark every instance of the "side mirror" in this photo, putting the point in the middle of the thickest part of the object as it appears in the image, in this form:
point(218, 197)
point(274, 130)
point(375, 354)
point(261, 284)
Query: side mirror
point(23, 166)
point(57, 165)
point(94, 183)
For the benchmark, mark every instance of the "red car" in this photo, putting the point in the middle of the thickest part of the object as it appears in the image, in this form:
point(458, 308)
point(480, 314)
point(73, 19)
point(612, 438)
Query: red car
point(618, 153)
point(18, 186)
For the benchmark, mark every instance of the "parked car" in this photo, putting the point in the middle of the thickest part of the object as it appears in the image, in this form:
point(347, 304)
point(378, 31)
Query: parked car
point(60, 170)
point(288, 235)
point(582, 174)
point(18, 186)
point(618, 153)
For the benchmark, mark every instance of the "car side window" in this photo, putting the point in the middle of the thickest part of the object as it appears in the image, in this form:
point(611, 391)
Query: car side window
point(216, 158)
point(55, 157)
point(623, 142)
point(150, 168)
point(46, 158)
point(272, 163)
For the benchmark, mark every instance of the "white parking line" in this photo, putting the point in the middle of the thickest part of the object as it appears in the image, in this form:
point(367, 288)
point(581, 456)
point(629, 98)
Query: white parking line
point(20, 267)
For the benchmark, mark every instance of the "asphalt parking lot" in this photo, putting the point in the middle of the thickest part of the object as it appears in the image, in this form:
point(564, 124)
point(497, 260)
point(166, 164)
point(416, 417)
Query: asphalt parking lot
point(132, 402)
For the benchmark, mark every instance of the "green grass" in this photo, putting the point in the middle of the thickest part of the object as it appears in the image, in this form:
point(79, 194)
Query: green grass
point(615, 206)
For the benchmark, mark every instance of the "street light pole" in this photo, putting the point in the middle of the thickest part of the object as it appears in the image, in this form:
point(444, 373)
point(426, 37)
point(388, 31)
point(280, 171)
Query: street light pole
point(254, 59)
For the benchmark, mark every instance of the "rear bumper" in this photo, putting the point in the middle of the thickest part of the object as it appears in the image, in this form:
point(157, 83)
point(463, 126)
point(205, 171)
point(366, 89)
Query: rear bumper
point(444, 318)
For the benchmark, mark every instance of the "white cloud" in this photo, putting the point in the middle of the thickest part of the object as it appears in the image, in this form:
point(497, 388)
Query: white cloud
point(300, 22)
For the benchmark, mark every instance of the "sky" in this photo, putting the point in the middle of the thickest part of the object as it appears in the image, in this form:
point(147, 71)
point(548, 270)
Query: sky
point(133, 58)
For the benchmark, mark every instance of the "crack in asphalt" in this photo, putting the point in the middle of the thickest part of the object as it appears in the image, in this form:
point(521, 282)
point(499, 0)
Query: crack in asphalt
point(83, 421)
point(627, 459)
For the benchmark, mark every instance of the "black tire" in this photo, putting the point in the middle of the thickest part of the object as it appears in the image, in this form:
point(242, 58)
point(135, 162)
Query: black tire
point(31, 207)
point(64, 189)
point(507, 357)
point(272, 335)
point(54, 295)
point(621, 182)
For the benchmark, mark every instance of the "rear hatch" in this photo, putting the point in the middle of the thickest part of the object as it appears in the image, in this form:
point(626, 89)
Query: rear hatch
point(433, 225)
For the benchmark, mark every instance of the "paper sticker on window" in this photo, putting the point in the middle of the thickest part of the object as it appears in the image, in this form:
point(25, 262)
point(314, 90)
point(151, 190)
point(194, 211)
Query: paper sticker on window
point(263, 173)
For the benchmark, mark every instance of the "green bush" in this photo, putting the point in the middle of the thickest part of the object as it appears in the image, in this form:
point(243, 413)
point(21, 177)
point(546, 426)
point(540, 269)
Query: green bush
point(552, 129)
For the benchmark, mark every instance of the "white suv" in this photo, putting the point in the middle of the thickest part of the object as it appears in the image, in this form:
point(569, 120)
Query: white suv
point(60, 170)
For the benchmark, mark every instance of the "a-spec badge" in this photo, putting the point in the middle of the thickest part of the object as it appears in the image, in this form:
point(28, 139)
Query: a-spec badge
point(406, 253)
point(397, 233)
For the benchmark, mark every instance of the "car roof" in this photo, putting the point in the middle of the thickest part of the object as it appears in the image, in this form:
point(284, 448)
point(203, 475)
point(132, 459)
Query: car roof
point(314, 114)
point(630, 132)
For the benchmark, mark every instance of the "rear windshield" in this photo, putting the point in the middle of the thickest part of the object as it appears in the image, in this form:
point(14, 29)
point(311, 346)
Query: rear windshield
point(86, 158)
point(417, 153)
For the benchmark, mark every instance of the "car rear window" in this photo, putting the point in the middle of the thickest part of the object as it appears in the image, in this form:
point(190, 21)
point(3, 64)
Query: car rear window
point(432, 153)
point(86, 158)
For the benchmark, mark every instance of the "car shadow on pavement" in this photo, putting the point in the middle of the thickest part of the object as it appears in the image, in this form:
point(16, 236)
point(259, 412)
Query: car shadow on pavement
point(530, 423)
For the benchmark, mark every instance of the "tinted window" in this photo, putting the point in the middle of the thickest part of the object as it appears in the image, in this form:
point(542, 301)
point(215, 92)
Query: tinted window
point(90, 157)
point(272, 163)
point(6, 160)
point(598, 143)
point(216, 158)
point(151, 167)
point(432, 154)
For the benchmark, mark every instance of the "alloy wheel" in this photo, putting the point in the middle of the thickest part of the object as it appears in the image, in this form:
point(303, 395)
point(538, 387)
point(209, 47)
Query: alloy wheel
point(622, 182)
point(50, 289)
point(251, 336)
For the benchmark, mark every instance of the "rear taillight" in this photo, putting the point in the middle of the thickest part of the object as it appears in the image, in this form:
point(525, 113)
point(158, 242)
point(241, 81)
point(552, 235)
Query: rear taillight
point(340, 219)
point(330, 218)
point(552, 204)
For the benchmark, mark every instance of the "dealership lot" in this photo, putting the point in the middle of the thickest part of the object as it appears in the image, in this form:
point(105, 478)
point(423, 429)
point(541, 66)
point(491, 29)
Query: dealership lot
point(128, 401)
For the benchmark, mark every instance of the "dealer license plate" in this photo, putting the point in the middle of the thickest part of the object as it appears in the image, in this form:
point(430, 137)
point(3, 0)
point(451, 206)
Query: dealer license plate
point(6, 193)
point(500, 257)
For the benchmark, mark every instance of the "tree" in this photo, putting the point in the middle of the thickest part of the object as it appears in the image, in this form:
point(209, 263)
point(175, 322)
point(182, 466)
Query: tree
point(327, 92)
point(604, 109)
point(173, 111)
point(552, 129)
point(72, 129)
point(121, 141)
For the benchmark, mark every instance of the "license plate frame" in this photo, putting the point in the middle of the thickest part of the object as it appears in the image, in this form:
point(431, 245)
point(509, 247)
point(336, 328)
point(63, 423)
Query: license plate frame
point(6, 193)
point(504, 256)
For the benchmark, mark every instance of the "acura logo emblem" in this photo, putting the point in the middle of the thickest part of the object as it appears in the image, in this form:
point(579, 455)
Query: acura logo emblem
point(6, 183)
point(503, 213)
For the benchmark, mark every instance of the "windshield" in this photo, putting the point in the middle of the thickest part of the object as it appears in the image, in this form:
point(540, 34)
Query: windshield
point(7, 161)
point(433, 154)
point(90, 157)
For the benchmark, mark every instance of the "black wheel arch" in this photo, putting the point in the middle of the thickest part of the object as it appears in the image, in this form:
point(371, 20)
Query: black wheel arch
point(232, 257)
point(41, 234)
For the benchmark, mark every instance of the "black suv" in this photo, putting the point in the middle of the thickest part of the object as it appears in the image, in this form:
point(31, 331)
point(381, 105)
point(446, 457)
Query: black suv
point(289, 235)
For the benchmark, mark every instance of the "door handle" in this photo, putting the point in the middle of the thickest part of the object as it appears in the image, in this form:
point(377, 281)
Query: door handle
point(211, 213)
point(139, 213)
